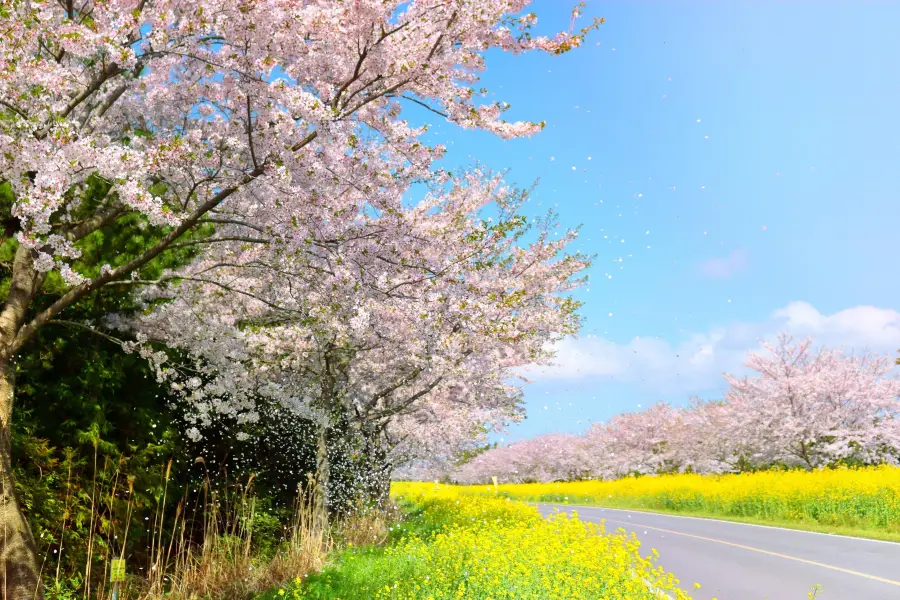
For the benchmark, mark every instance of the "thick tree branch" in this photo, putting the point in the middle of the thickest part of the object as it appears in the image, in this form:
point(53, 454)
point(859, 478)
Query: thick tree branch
point(404, 404)
point(78, 292)
point(14, 108)
point(98, 221)
point(105, 75)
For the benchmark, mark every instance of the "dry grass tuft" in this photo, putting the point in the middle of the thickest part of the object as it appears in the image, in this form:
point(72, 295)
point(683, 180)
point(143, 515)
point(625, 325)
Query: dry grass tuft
point(367, 526)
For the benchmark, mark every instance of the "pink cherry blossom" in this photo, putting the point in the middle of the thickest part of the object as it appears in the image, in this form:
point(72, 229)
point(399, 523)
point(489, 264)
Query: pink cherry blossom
point(276, 122)
point(415, 334)
point(801, 408)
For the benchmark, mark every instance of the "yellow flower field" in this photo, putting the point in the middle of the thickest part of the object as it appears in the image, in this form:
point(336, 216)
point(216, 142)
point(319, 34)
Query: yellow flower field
point(863, 498)
point(459, 546)
point(496, 549)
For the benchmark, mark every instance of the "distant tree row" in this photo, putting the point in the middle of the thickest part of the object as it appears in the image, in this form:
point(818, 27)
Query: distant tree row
point(801, 408)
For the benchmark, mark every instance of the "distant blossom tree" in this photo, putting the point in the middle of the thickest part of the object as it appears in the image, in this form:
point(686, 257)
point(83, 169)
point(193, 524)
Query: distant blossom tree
point(707, 441)
point(815, 408)
point(639, 442)
point(546, 458)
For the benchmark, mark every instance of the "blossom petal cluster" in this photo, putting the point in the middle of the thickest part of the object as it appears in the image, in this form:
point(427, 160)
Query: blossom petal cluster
point(187, 108)
point(410, 321)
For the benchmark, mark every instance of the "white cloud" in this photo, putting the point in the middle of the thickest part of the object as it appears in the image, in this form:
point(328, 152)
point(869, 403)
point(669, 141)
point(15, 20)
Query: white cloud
point(724, 268)
point(860, 327)
point(696, 364)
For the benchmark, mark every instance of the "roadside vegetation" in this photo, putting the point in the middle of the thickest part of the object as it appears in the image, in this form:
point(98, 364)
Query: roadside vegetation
point(863, 501)
point(456, 545)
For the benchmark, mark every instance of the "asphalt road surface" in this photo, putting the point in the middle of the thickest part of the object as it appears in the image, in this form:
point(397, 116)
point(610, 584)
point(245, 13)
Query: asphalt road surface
point(734, 561)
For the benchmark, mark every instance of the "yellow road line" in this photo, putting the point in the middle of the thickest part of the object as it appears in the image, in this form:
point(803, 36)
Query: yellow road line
point(787, 556)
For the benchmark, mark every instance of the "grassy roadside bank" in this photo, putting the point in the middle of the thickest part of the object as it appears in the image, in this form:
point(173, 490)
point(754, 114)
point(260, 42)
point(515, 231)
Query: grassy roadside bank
point(481, 548)
point(858, 532)
point(863, 502)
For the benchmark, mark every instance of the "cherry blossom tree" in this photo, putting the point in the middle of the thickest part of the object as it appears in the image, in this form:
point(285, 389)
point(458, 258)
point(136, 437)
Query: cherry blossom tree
point(435, 436)
point(436, 450)
point(213, 114)
point(641, 442)
point(815, 408)
point(407, 341)
point(707, 440)
point(546, 458)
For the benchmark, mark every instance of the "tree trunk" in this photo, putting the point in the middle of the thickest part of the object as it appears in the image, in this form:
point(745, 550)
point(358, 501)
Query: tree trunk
point(19, 565)
point(378, 469)
point(323, 470)
point(381, 490)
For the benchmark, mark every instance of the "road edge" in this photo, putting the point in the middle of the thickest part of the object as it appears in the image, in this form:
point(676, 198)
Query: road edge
point(732, 521)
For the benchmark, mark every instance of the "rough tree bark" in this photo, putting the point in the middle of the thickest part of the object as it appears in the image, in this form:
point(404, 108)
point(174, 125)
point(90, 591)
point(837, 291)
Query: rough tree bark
point(323, 470)
point(19, 564)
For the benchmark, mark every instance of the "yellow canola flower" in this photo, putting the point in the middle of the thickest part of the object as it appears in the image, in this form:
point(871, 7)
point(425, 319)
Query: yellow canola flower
point(495, 549)
point(867, 497)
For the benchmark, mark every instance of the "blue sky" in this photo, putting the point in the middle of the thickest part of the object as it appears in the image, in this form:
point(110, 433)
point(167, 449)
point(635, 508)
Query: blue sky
point(758, 144)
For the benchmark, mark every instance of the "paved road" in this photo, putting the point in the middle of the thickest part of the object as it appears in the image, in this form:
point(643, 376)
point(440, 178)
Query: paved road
point(733, 561)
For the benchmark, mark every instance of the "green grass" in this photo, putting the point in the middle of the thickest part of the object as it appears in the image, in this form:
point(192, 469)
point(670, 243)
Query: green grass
point(849, 530)
point(353, 574)
point(357, 572)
